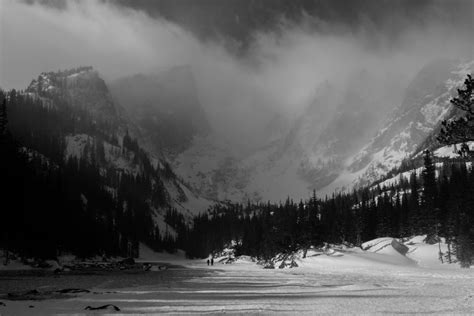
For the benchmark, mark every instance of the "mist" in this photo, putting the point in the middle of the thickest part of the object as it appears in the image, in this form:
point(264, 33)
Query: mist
point(279, 72)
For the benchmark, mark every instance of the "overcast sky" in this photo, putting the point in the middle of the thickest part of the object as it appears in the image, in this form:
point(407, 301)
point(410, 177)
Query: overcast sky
point(244, 54)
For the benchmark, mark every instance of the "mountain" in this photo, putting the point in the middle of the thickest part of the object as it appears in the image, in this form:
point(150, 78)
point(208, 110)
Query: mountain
point(298, 155)
point(329, 146)
point(71, 131)
point(80, 87)
point(164, 106)
point(426, 103)
point(329, 150)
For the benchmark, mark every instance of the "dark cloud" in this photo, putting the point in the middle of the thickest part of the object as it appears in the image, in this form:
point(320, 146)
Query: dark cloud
point(287, 48)
point(240, 19)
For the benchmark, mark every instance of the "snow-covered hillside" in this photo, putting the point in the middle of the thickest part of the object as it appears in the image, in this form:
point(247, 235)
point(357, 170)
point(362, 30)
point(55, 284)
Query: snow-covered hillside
point(309, 152)
point(84, 88)
point(378, 280)
point(425, 105)
point(327, 155)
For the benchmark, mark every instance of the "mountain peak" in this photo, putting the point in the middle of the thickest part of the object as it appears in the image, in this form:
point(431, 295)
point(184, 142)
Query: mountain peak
point(81, 86)
point(52, 82)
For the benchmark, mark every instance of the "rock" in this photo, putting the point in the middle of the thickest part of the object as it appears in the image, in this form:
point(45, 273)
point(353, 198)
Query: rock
point(2, 304)
point(73, 291)
point(108, 307)
point(269, 266)
point(31, 306)
point(432, 239)
point(293, 264)
point(398, 246)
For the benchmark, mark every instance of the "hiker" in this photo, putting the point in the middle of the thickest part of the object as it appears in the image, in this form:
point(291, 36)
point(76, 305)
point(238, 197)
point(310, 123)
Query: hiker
point(212, 261)
point(207, 261)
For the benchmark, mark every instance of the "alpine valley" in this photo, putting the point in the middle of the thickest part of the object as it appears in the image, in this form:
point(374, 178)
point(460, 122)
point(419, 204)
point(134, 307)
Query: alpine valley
point(150, 159)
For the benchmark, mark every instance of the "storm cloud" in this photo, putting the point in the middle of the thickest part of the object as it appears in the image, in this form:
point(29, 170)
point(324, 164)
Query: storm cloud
point(279, 70)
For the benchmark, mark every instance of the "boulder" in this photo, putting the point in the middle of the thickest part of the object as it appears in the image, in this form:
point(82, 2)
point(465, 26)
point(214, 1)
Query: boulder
point(108, 307)
point(398, 246)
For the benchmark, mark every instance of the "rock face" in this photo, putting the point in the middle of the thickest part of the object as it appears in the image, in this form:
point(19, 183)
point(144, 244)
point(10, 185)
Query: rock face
point(401, 248)
point(321, 149)
point(164, 106)
point(425, 105)
point(84, 88)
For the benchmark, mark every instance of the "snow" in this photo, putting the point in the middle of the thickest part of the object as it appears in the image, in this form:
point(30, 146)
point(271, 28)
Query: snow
point(376, 159)
point(163, 227)
point(75, 144)
point(450, 151)
point(354, 281)
point(194, 204)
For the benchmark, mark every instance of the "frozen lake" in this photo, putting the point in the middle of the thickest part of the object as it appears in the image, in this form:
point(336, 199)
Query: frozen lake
point(246, 288)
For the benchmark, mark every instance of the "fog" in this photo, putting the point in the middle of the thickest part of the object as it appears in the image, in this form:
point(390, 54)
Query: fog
point(279, 71)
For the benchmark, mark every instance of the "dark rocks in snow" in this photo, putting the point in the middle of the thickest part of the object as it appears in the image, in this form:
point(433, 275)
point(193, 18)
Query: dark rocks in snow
point(146, 267)
point(92, 266)
point(2, 304)
point(398, 246)
point(269, 265)
point(288, 264)
point(432, 239)
point(73, 291)
point(108, 307)
point(35, 295)
point(154, 267)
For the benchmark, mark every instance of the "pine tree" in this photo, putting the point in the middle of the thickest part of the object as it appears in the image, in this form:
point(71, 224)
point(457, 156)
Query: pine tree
point(460, 130)
point(3, 116)
point(429, 195)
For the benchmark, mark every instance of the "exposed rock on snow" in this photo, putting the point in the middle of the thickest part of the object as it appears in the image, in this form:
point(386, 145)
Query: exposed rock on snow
point(108, 308)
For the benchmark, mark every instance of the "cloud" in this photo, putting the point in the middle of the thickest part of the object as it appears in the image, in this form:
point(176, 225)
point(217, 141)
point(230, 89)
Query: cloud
point(279, 72)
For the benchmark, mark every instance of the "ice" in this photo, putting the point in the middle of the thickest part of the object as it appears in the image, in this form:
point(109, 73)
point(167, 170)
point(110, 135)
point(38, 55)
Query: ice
point(378, 281)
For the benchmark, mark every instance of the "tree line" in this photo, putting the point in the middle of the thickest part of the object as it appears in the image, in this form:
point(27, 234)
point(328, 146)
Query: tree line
point(52, 203)
point(440, 206)
point(436, 205)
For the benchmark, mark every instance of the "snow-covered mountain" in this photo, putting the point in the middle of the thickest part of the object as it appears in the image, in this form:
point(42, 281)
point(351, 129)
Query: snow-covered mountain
point(85, 89)
point(339, 141)
point(300, 154)
point(81, 87)
point(425, 105)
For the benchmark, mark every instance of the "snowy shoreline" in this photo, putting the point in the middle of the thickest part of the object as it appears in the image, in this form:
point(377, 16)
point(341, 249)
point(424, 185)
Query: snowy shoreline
point(379, 279)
